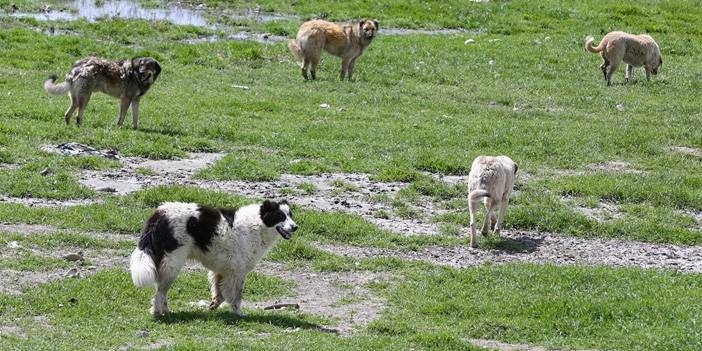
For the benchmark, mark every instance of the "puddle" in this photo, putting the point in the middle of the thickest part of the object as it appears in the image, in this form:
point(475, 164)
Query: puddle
point(404, 31)
point(88, 10)
point(262, 38)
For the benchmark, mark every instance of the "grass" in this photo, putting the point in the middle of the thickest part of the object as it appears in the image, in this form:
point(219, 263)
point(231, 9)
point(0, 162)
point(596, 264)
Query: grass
point(420, 107)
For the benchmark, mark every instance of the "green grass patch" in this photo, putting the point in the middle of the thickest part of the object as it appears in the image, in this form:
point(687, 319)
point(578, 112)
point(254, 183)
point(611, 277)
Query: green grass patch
point(553, 306)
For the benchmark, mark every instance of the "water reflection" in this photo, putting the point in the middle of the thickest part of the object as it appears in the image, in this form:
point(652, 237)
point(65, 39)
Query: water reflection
point(88, 10)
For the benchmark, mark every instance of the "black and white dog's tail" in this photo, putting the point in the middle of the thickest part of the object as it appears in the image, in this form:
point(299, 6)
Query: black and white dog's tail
point(143, 269)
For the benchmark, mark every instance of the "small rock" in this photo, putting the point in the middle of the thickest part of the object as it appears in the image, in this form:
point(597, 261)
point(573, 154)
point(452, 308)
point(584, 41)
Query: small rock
point(200, 303)
point(620, 107)
point(13, 245)
point(72, 257)
point(142, 334)
point(44, 171)
point(469, 41)
point(72, 273)
point(324, 105)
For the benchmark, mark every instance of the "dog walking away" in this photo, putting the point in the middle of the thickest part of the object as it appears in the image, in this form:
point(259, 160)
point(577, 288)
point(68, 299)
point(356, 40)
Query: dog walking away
point(634, 50)
point(228, 242)
point(127, 80)
point(490, 178)
point(347, 41)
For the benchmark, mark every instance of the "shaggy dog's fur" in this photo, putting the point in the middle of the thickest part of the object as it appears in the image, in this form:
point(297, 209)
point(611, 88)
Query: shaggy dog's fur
point(634, 50)
point(228, 242)
point(492, 178)
point(127, 80)
point(346, 41)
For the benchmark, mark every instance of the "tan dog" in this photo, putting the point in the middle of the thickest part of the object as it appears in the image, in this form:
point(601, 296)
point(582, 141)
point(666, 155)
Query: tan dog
point(345, 41)
point(127, 80)
point(634, 50)
point(492, 178)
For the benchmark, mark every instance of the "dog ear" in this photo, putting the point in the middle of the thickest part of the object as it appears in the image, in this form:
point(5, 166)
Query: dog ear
point(377, 26)
point(268, 213)
point(516, 167)
point(157, 66)
point(360, 24)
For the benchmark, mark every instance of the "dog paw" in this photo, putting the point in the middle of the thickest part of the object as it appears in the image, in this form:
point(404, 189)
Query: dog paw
point(215, 304)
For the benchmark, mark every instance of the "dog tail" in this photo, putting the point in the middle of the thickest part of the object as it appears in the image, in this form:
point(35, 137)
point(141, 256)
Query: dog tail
point(56, 89)
point(295, 49)
point(478, 193)
point(592, 49)
point(143, 269)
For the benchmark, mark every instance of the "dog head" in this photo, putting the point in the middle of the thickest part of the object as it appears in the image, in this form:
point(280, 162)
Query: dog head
point(146, 70)
point(278, 215)
point(657, 66)
point(368, 29)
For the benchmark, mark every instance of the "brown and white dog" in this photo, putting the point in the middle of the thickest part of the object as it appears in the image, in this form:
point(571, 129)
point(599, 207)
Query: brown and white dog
point(127, 80)
point(491, 178)
point(634, 50)
point(228, 242)
point(347, 41)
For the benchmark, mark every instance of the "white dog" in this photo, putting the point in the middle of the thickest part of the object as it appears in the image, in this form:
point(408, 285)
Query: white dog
point(229, 242)
point(492, 178)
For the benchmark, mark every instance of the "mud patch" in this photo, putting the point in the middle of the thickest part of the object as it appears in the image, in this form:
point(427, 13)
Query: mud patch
point(324, 294)
point(615, 166)
point(543, 248)
point(502, 346)
point(39, 202)
point(685, 150)
point(129, 179)
point(602, 212)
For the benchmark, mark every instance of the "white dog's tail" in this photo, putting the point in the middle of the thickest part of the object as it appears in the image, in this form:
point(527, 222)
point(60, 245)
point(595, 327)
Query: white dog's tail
point(478, 193)
point(592, 49)
point(56, 89)
point(143, 269)
point(295, 49)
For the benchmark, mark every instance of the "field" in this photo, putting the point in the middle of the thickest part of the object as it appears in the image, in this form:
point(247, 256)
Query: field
point(602, 246)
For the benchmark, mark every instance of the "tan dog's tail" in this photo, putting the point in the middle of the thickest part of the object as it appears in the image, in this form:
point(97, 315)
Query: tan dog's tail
point(56, 89)
point(478, 193)
point(295, 49)
point(592, 49)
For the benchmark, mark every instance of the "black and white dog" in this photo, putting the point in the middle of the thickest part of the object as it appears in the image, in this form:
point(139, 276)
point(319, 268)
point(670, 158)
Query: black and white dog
point(229, 242)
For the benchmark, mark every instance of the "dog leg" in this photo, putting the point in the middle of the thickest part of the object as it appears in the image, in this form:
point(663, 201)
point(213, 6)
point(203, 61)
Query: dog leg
point(610, 72)
point(344, 68)
point(313, 69)
point(603, 66)
point(489, 204)
point(171, 265)
point(71, 109)
point(501, 215)
point(303, 68)
point(352, 64)
point(231, 287)
point(82, 103)
point(124, 102)
point(216, 293)
point(472, 205)
point(629, 71)
point(648, 74)
point(135, 111)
